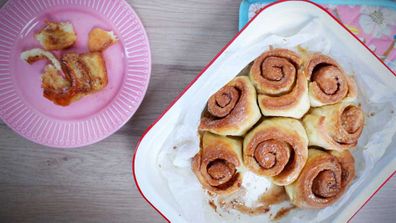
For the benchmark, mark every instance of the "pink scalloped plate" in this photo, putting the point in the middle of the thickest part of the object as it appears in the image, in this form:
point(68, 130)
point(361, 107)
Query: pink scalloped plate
point(94, 117)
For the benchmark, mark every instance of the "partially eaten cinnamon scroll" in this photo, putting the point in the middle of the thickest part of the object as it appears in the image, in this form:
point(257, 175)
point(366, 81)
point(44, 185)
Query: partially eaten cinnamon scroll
point(74, 75)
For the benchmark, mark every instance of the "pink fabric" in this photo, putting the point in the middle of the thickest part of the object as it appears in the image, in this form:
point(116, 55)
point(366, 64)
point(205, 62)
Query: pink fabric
point(375, 26)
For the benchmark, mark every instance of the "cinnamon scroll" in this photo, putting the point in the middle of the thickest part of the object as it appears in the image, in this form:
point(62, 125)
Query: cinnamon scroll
point(280, 83)
point(304, 149)
point(276, 148)
point(232, 110)
point(216, 165)
point(328, 83)
point(335, 127)
point(323, 180)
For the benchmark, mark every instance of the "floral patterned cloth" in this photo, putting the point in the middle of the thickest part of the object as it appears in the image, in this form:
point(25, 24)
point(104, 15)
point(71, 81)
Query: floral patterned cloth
point(375, 26)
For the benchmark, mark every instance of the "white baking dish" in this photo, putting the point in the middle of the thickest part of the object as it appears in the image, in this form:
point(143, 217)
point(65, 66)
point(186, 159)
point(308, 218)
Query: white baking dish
point(280, 18)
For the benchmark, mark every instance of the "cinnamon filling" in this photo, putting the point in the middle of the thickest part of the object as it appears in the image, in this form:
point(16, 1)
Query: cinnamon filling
point(327, 78)
point(223, 102)
point(266, 160)
point(352, 119)
point(274, 73)
point(325, 184)
point(221, 170)
point(272, 154)
point(275, 69)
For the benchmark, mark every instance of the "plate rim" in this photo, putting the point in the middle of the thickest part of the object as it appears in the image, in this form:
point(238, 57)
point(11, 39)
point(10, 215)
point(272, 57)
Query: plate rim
point(176, 99)
point(112, 129)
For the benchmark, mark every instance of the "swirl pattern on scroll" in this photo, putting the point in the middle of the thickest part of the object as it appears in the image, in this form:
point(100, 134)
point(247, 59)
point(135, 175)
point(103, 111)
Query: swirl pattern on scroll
point(276, 148)
point(328, 83)
point(216, 164)
point(232, 110)
point(334, 127)
point(323, 180)
point(282, 87)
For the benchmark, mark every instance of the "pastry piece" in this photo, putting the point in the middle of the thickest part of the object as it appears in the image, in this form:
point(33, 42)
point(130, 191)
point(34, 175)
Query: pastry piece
point(35, 54)
point(77, 72)
point(323, 180)
point(328, 83)
point(96, 66)
point(216, 165)
point(335, 127)
point(232, 110)
point(276, 148)
point(57, 36)
point(57, 88)
point(99, 39)
point(51, 78)
point(282, 87)
point(83, 74)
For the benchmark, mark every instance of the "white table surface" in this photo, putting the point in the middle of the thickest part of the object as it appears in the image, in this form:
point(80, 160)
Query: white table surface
point(94, 183)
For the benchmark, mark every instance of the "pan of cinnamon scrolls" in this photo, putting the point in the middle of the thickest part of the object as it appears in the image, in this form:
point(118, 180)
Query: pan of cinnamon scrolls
point(293, 121)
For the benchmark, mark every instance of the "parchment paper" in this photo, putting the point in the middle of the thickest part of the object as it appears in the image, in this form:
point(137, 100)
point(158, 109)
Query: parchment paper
point(377, 99)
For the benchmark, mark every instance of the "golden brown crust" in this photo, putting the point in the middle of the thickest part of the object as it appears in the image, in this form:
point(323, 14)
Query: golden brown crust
point(96, 69)
point(335, 127)
point(232, 110)
point(282, 86)
point(216, 164)
point(99, 40)
point(276, 148)
point(328, 82)
point(287, 100)
point(323, 180)
point(56, 87)
point(57, 36)
point(85, 74)
point(77, 72)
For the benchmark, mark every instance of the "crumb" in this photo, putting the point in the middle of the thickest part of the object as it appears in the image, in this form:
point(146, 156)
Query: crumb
point(211, 194)
point(213, 205)
point(371, 114)
point(174, 147)
point(392, 111)
point(159, 165)
point(283, 212)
